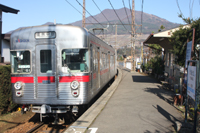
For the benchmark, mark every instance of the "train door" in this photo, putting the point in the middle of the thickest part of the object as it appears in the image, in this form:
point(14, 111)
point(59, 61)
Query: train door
point(109, 64)
point(91, 67)
point(46, 72)
point(98, 67)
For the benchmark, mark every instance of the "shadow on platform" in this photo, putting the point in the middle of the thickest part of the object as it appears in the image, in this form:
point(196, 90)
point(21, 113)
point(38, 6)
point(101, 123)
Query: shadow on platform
point(145, 79)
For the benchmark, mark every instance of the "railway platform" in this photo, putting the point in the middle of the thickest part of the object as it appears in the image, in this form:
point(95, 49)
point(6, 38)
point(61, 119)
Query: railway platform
point(135, 103)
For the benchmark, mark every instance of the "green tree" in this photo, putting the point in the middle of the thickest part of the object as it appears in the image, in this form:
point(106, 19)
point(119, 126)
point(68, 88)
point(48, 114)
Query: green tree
point(155, 48)
point(179, 41)
point(161, 28)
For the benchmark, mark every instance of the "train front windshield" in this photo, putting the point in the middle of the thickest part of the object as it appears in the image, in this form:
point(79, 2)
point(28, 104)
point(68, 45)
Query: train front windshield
point(20, 62)
point(75, 60)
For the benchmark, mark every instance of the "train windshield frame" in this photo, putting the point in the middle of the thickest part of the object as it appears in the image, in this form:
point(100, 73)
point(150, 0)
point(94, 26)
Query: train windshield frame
point(75, 60)
point(20, 62)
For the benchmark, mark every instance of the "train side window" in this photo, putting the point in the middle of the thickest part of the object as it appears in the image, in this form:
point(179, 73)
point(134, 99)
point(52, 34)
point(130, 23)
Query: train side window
point(75, 60)
point(45, 61)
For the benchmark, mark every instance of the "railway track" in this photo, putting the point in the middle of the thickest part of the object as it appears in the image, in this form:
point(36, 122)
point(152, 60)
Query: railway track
point(60, 128)
point(36, 128)
point(42, 127)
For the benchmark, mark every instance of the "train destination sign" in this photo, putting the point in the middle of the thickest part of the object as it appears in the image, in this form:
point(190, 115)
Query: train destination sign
point(45, 35)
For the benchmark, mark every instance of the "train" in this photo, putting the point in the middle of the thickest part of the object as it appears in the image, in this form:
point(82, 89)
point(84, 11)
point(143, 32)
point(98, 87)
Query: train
point(58, 68)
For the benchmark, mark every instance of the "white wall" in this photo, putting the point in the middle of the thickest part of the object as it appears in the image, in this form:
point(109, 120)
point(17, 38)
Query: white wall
point(6, 51)
point(128, 65)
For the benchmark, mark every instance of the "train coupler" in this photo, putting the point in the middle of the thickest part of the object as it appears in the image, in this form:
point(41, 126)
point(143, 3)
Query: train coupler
point(75, 110)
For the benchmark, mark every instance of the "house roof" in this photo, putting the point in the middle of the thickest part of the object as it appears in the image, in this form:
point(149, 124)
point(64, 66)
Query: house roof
point(8, 9)
point(162, 38)
point(5, 36)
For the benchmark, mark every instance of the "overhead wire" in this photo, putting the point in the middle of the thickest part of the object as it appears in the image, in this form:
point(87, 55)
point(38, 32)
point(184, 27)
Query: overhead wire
point(142, 15)
point(126, 12)
point(130, 7)
point(118, 16)
point(90, 14)
point(179, 8)
point(190, 7)
point(76, 9)
point(101, 11)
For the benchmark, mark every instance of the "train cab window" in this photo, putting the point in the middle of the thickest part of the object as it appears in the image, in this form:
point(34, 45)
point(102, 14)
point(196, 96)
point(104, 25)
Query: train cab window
point(45, 61)
point(20, 62)
point(75, 60)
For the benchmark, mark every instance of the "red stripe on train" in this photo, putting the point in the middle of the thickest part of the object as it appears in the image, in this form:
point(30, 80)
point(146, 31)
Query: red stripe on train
point(72, 78)
point(22, 79)
point(94, 76)
point(103, 71)
point(50, 78)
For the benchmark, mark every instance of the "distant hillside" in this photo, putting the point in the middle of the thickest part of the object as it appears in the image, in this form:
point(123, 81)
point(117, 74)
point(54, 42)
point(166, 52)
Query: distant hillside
point(150, 22)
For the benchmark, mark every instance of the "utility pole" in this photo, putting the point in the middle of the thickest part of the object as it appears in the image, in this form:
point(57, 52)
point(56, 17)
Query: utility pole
point(132, 36)
point(141, 53)
point(83, 21)
point(115, 36)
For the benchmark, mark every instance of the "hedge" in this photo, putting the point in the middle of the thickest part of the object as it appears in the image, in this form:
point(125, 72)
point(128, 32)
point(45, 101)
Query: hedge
point(6, 104)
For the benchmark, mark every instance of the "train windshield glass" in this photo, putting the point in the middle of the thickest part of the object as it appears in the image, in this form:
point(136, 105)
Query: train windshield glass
point(20, 62)
point(75, 60)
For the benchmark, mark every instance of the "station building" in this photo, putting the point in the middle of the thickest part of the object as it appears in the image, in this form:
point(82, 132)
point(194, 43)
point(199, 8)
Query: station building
point(173, 72)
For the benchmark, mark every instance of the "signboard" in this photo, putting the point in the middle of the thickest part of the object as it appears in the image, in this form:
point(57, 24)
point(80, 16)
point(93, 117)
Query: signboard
point(188, 52)
point(188, 57)
point(191, 81)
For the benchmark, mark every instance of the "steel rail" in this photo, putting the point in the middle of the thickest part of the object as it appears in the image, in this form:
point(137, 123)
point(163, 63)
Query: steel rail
point(36, 127)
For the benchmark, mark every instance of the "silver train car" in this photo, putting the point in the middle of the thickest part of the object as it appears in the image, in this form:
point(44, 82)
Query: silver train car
point(58, 68)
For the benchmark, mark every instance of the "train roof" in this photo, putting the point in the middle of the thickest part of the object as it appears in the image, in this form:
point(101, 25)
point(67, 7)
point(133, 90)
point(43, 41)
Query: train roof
point(45, 27)
point(29, 27)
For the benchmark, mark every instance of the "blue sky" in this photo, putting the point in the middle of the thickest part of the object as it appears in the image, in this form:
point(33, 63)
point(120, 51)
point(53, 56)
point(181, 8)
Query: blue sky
point(37, 12)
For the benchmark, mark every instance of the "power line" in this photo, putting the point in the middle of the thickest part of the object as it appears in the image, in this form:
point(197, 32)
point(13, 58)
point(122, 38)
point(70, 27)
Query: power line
point(73, 7)
point(117, 15)
point(109, 24)
point(130, 7)
point(179, 8)
point(100, 11)
point(126, 11)
point(89, 13)
point(190, 7)
point(142, 15)
point(76, 9)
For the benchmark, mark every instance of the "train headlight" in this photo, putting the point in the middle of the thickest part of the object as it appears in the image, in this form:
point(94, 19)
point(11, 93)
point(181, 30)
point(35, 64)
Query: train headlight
point(74, 84)
point(18, 85)
point(75, 93)
point(18, 93)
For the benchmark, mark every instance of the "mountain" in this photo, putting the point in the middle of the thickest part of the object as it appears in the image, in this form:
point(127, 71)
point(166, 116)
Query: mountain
point(150, 23)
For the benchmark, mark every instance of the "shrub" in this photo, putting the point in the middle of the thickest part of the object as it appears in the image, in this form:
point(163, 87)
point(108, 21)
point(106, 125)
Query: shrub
point(6, 104)
point(156, 64)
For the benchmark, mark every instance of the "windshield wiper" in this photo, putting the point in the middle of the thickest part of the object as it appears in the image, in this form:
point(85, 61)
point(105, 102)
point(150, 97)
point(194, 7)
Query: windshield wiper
point(65, 65)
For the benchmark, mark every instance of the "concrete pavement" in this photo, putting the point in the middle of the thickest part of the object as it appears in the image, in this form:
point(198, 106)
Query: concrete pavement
point(138, 105)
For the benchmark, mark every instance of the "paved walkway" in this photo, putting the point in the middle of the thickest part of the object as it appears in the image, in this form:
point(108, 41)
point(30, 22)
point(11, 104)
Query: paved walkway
point(139, 105)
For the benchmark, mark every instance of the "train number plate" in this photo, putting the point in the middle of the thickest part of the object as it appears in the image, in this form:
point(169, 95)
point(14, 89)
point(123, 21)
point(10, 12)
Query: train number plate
point(46, 81)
